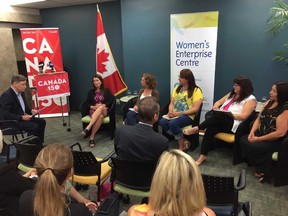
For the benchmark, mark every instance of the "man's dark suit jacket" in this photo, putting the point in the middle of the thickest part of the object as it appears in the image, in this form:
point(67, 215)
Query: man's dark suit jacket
point(139, 142)
point(10, 106)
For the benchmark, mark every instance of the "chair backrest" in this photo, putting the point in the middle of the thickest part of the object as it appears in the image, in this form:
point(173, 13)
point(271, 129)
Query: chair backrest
point(11, 127)
point(198, 115)
point(126, 106)
point(85, 163)
point(221, 191)
point(28, 150)
point(133, 174)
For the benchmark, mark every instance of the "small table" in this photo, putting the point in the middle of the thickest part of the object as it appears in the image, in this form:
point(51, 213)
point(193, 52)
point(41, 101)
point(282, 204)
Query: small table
point(126, 98)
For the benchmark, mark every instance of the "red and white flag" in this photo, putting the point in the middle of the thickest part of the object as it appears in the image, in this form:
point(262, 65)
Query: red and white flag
point(105, 64)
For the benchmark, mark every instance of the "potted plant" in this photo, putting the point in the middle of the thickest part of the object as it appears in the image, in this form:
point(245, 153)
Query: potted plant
point(277, 22)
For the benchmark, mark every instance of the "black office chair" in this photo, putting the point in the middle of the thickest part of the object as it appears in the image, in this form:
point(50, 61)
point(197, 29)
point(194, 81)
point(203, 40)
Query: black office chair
point(194, 138)
point(7, 150)
point(11, 127)
point(222, 194)
point(233, 138)
point(27, 151)
point(109, 120)
point(89, 170)
point(132, 177)
point(280, 171)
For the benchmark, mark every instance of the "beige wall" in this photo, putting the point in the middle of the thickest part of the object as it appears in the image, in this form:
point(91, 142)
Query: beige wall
point(11, 49)
point(8, 63)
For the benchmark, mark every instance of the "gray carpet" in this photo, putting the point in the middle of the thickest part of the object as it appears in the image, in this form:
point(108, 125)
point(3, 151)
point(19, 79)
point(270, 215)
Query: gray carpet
point(266, 199)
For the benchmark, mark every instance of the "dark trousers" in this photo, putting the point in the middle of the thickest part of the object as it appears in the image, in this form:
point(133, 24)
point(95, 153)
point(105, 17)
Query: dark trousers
point(36, 126)
point(214, 125)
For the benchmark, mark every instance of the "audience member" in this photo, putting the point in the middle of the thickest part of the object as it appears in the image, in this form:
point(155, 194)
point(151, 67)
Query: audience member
point(240, 102)
point(13, 106)
point(99, 101)
point(267, 132)
point(140, 142)
point(54, 166)
point(12, 185)
point(176, 189)
point(185, 101)
point(148, 83)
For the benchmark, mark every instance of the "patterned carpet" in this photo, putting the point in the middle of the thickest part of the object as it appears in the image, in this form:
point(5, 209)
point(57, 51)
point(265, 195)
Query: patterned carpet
point(266, 199)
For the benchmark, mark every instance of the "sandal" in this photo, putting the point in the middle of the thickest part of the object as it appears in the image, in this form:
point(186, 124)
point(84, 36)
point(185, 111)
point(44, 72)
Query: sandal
point(190, 131)
point(85, 132)
point(186, 145)
point(258, 174)
point(91, 143)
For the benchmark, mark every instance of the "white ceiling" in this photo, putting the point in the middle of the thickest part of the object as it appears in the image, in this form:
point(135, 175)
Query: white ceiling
point(59, 3)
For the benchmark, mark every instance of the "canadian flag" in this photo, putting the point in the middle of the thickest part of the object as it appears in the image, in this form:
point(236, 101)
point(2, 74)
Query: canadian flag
point(105, 64)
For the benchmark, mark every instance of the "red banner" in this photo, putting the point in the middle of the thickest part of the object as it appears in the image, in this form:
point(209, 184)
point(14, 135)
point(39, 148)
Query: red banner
point(52, 85)
point(43, 56)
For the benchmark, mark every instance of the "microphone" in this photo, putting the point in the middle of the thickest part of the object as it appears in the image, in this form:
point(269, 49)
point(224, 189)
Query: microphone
point(41, 66)
point(51, 65)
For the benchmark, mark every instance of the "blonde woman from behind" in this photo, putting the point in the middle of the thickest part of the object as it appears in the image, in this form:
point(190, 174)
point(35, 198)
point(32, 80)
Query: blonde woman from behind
point(176, 189)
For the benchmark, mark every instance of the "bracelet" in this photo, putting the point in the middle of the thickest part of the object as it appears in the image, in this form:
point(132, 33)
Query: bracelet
point(181, 113)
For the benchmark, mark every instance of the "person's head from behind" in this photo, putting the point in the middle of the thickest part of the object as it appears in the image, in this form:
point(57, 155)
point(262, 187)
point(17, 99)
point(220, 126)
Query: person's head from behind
point(97, 82)
point(242, 86)
point(177, 186)
point(279, 92)
point(148, 110)
point(19, 82)
point(149, 81)
point(54, 165)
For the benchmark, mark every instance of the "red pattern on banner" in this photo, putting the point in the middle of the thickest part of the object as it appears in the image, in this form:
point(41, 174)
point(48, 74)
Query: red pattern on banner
point(43, 45)
point(105, 64)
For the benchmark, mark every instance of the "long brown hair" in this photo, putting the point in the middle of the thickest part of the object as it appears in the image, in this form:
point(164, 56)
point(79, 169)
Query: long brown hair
point(188, 75)
point(53, 165)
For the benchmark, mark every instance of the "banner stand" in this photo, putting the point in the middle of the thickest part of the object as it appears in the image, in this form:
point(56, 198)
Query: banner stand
point(62, 111)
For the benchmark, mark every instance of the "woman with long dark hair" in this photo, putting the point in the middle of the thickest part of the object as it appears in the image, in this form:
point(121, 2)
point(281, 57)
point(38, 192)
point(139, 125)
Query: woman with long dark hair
point(99, 100)
point(185, 102)
point(267, 132)
point(240, 102)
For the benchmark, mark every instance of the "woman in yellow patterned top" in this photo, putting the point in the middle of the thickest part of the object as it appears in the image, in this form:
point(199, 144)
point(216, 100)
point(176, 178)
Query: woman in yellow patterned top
point(177, 189)
point(185, 102)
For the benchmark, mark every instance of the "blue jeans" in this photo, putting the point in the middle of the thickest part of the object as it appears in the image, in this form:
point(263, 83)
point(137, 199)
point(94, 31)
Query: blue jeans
point(175, 125)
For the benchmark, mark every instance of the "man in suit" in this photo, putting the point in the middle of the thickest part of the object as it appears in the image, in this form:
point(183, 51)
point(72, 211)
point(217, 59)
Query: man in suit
point(139, 142)
point(13, 106)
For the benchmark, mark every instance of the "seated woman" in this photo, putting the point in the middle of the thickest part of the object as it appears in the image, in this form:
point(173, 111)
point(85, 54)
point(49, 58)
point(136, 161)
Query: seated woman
point(176, 189)
point(240, 102)
point(99, 100)
point(267, 132)
point(186, 100)
point(148, 83)
point(54, 166)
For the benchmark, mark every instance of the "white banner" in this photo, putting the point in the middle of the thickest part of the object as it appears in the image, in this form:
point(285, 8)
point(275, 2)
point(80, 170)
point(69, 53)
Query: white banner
point(193, 46)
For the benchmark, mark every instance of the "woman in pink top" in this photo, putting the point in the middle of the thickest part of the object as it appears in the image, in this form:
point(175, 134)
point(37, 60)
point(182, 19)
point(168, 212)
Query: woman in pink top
point(240, 102)
point(176, 189)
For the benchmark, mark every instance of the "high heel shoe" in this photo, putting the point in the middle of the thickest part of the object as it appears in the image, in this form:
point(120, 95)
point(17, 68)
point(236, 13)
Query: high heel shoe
point(85, 133)
point(91, 143)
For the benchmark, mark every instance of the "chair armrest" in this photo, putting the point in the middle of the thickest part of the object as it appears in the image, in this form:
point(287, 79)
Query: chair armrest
point(245, 126)
point(75, 144)
point(241, 181)
point(84, 109)
point(107, 157)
